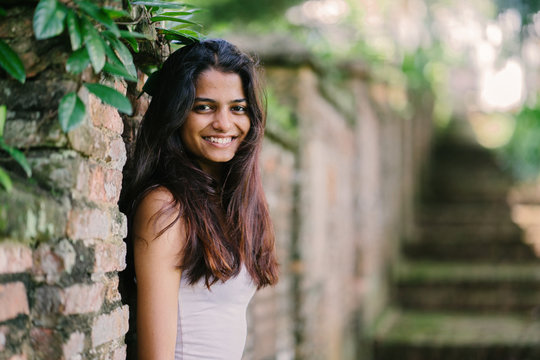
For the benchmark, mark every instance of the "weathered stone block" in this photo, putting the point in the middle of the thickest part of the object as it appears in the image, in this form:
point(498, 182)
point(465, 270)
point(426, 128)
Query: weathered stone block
point(74, 346)
point(37, 216)
point(57, 170)
point(14, 258)
point(52, 261)
point(110, 326)
point(110, 256)
point(13, 300)
point(87, 224)
point(82, 298)
point(26, 129)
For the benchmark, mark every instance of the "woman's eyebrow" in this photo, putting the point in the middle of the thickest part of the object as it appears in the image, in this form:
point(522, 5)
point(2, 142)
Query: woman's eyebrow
point(201, 99)
point(238, 101)
point(205, 99)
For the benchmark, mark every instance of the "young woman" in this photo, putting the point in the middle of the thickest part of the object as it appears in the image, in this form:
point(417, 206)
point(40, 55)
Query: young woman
point(200, 229)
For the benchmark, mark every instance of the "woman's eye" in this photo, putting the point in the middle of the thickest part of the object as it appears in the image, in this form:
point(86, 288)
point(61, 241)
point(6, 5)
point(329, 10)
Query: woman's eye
point(202, 108)
point(239, 109)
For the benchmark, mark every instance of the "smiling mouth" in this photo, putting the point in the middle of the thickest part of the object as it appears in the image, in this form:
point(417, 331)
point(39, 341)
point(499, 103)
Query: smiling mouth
point(219, 140)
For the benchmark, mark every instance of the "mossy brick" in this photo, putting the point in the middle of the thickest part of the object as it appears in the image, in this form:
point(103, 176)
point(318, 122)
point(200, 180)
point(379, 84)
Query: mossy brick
point(59, 171)
point(41, 95)
point(51, 261)
point(46, 343)
point(28, 129)
point(37, 217)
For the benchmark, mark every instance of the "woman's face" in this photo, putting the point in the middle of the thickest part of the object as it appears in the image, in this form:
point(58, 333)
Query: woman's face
point(218, 121)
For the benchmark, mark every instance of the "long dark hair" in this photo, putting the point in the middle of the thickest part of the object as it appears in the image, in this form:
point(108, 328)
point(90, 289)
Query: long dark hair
point(227, 223)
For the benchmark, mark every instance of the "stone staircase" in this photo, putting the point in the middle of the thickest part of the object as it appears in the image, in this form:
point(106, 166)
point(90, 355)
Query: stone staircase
point(467, 286)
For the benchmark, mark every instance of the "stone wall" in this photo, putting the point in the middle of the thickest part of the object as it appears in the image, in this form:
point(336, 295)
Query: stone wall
point(61, 231)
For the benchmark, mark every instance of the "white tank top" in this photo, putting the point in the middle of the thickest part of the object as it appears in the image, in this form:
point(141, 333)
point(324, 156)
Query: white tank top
point(212, 323)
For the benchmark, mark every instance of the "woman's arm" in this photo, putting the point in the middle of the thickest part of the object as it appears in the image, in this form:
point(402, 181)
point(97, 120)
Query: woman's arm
point(158, 276)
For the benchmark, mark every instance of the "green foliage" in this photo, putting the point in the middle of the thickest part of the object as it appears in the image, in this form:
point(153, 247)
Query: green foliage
point(49, 19)
point(17, 155)
point(98, 41)
point(11, 62)
point(111, 97)
point(70, 111)
point(522, 153)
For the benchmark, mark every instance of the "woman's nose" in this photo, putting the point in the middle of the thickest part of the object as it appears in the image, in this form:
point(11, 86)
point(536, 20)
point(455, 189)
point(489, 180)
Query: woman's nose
point(222, 121)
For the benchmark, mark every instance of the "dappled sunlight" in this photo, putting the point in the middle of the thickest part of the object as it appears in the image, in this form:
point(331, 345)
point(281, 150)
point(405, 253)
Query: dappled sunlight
point(503, 89)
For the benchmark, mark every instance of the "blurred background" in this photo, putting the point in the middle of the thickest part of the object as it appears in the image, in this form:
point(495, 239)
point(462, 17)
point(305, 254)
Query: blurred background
point(401, 166)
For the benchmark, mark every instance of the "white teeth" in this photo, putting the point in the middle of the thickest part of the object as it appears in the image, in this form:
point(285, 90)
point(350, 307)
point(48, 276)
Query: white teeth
point(219, 140)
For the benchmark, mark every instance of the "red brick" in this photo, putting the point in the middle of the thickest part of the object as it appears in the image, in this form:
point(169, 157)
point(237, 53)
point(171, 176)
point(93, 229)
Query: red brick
point(13, 300)
point(85, 224)
point(105, 116)
point(14, 258)
point(74, 346)
point(110, 256)
point(110, 326)
point(100, 184)
point(81, 299)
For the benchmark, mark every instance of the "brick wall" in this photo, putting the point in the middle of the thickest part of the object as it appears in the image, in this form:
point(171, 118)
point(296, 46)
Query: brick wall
point(61, 233)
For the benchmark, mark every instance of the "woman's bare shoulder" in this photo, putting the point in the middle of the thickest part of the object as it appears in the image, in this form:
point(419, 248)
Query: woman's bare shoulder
point(156, 211)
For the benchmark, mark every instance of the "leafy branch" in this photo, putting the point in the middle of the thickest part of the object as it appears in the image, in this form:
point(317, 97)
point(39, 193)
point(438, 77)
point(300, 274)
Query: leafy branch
point(99, 37)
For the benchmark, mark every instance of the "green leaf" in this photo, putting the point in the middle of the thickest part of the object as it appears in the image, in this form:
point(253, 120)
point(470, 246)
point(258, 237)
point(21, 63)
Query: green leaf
point(172, 18)
point(181, 13)
point(2, 12)
point(111, 97)
point(48, 19)
point(113, 59)
point(99, 15)
point(72, 21)
point(184, 36)
point(78, 61)
point(5, 180)
point(11, 62)
point(94, 45)
point(115, 13)
point(132, 42)
point(3, 115)
point(71, 111)
point(163, 4)
point(119, 70)
point(17, 155)
point(134, 34)
point(125, 56)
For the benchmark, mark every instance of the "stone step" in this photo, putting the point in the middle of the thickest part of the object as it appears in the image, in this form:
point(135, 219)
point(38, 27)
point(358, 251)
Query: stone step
point(455, 336)
point(499, 242)
point(443, 240)
point(464, 213)
point(458, 186)
point(468, 286)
